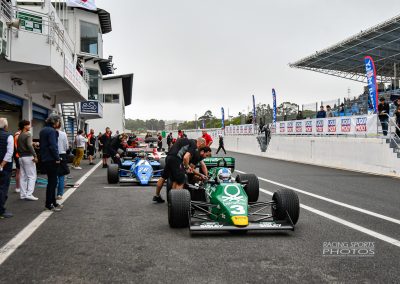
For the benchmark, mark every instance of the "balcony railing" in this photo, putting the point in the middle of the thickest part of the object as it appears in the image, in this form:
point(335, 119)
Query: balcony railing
point(6, 9)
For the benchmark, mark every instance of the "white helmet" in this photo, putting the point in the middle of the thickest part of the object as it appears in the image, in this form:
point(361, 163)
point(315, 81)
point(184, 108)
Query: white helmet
point(224, 175)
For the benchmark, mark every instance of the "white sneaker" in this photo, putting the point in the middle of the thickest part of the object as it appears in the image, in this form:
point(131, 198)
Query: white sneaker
point(22, 197)
point(77, 168)
point(32, 198)
point(17, 190)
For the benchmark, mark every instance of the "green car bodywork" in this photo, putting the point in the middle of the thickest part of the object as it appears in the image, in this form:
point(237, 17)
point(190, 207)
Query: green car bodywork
point(230, 198)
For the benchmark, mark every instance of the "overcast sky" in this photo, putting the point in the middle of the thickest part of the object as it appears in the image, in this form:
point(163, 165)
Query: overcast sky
point(189, 56)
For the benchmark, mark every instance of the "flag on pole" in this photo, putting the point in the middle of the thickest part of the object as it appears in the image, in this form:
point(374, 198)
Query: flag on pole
point(223, 118)
point(371, 80)
point(254, 110)
point(86, 4)
point(274, 105)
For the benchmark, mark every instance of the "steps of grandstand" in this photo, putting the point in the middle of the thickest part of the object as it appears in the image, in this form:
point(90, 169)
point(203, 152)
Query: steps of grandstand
point(70, 120)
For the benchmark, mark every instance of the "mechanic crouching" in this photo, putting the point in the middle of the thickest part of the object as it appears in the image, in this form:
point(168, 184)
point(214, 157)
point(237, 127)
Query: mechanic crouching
point(117, 147)
point(177, 164)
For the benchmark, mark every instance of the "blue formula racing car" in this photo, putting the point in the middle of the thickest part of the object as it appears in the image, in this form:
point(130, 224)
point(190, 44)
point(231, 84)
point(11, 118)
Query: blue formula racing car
point(136, 170)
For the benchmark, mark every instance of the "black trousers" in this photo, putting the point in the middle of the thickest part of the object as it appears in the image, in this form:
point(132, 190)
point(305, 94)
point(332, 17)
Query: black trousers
point(221, 147)
point(5, 178)
point(51, 169)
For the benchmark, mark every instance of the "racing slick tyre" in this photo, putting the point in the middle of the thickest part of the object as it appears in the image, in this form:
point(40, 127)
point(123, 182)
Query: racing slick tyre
point(286, 200)
point(168, 187)
point(112, 173)
point(252, 188)
point(162, 163)
point(179, 208)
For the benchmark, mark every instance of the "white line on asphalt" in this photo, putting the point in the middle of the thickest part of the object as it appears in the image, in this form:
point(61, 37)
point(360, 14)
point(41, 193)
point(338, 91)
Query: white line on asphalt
point(377, 215)
point(346, 223)
point(10, 247)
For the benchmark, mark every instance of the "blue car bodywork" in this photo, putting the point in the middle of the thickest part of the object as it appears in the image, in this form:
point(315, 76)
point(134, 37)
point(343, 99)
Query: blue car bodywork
point(140, 171)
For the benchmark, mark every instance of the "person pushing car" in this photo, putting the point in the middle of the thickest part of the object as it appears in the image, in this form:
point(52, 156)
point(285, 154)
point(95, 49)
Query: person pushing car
point(177, 164)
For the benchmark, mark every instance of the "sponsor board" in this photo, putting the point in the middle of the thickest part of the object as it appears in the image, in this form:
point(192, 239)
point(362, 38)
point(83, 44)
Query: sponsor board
point(282, 127)
point(361, 124)
point(319, 125)
point(309, 126)
point(290, 127)
point(332, 125)
point(299, 126)
point(345, 124)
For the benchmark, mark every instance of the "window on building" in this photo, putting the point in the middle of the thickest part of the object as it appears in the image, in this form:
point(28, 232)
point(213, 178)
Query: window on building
point(111, 98)
point(93, 84)
point(89, 38)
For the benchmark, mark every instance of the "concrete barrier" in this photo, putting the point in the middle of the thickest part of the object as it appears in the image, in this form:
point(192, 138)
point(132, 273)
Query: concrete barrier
point(369, 155)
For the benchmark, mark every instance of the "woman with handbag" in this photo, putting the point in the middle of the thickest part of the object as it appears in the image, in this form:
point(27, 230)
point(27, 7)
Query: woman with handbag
point(63, 169)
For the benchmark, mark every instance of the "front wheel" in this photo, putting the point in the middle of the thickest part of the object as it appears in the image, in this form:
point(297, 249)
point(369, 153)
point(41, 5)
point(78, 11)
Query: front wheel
point(252, 186)
point(113, 173)
point(179, 208)
point(286, 203)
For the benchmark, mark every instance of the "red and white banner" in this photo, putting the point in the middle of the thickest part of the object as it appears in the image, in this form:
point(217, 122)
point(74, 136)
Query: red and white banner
point(86, 4)
point(353, 125)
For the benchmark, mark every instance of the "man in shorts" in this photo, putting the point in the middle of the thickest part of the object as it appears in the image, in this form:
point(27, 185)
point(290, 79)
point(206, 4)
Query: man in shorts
point(177, 164)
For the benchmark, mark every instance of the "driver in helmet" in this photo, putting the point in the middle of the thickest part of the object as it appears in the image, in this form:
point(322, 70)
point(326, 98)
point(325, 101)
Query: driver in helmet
point(224, 175)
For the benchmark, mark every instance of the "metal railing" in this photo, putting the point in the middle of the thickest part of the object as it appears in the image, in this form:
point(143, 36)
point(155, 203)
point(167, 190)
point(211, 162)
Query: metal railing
point(6, 9)
point(393, 130)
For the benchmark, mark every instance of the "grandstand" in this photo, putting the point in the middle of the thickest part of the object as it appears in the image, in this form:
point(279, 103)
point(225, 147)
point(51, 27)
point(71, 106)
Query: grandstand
point(346, 60)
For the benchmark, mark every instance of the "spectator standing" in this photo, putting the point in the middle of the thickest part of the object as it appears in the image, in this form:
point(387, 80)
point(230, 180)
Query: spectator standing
point(28, 160)
point(221, 144)
point(98, 146)
point(342, 110)
point(17, 165)
point(207, 137)
point(329, 112)
point(299, 115)
point(104, 142)
point(91, 146)
point(63, 146)
point(169, 140)
point(50, 159)
point(383, 110)
point(321, 113)
point(6, 162)
point(80, 142)
point(159, 142)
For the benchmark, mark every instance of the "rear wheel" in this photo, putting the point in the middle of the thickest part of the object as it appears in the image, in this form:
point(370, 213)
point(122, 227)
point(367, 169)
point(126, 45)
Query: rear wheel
point(286, 203)
point(112, 173)
point(179, 208)
point(162, 163)
point(252, 188)
point(168, 187)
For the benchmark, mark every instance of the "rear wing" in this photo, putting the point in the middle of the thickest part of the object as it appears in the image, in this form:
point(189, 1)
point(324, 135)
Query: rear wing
point(226, 162)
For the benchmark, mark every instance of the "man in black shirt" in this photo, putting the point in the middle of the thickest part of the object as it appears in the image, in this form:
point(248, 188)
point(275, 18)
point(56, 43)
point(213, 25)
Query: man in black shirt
point(383, 110)
point(221, 144)
point(177, 164)
point(91, 146)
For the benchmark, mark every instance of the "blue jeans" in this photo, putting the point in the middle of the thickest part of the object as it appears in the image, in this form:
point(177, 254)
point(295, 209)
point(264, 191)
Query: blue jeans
point(5, 179)
point(385, 125)
point(60, 185)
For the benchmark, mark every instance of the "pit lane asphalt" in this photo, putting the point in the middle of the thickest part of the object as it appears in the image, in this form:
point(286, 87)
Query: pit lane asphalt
point(116, 235)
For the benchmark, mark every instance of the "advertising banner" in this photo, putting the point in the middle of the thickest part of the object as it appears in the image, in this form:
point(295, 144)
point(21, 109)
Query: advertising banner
point(254, 111)
point(351, 125)
point(371, 79)
point(274, 105)
point(72, 75)
point(86, 4)
point(223, 118)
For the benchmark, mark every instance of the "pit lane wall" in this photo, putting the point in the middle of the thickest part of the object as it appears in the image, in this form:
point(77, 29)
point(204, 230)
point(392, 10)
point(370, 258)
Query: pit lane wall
point(359, 152)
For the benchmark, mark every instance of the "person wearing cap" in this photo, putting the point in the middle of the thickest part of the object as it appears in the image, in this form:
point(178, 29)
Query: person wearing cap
point(50, 159)
point(383, 111)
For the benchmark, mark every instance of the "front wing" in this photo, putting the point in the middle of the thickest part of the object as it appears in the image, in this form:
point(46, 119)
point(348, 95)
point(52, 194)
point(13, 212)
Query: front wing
point(253, 226)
